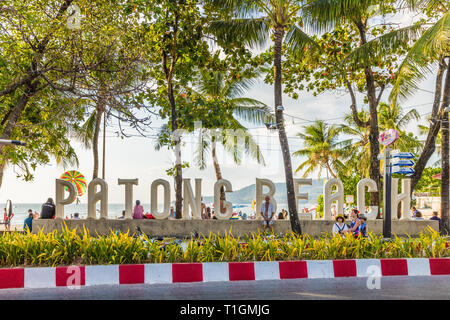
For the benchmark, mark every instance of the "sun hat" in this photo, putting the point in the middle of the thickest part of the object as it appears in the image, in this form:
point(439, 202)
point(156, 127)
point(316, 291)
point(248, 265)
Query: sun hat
point(340, 216)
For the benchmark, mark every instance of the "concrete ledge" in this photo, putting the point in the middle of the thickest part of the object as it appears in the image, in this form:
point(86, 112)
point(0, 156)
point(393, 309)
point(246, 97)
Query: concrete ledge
point(184, 228)
point(77, 276)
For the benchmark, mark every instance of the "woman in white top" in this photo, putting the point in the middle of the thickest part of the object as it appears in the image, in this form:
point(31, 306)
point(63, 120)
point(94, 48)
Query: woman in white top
point(339, 227)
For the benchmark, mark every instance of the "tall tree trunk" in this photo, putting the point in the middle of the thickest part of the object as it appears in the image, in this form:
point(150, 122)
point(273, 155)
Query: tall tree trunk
point(430, 144)
point(104, 145)
point(295, 222)
point(178, 178)
point(445, 194)
point(374, 170)
point(445, 175)
point(98, 121)
point(217, 167)
point(2, 171)
point(169, 69)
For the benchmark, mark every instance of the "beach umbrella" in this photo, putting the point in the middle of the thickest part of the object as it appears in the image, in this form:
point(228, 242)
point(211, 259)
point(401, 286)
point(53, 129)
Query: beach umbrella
point(77, 179)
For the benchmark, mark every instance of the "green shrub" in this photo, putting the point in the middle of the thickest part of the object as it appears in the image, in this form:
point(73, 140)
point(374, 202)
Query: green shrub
point(70, 247)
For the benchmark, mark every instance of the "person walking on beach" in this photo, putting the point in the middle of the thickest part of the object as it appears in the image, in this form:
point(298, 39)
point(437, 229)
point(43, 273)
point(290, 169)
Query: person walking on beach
point(138, 211)
point(48, 209)
point(7, 219)
point(28, 223)
point(267, 212)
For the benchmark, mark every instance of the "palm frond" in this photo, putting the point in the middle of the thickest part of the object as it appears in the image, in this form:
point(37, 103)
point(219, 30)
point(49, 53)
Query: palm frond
point(251, 32)
point(433, 44)
point(163, 137)
point(85, 133)
point(252, 111)
point(298, 41)
point(383, 45)
point(322, 15)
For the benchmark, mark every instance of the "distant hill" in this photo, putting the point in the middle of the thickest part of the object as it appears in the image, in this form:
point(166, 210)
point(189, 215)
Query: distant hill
point(247, 194)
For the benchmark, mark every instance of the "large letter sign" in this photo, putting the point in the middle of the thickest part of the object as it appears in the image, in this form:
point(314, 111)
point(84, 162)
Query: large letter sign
point(128, 195)
point(60, 202)
point(227, 204)
point(94, 196)
point(361, 193)
point(154, 199)
point(301, 196)
point(329, 197)
point(404, 198)
point(195, 204)
point(260, 196)
point(98, 191)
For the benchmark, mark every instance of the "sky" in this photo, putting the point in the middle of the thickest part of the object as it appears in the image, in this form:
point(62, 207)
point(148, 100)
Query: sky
point(136, 157)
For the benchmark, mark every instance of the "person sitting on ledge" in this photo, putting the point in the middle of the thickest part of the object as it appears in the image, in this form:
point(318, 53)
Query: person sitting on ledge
point(413, 212)
point(48, 209)
point(149, 216)
point(76, 216)
point(280, 215)
point(418, 216)
point(123, 215)
point(354, 225)
point(339, 227)
point(267, 212)
point(435, 217)
point(172, 213)
point(138, 210)
point(28, 223)
point(363, 231)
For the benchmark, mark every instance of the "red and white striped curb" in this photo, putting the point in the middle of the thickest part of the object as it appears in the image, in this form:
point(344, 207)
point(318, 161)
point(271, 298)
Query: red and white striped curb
point(217, 271)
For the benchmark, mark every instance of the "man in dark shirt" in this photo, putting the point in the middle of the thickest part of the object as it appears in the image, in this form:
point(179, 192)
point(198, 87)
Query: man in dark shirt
point(48, 210)
point(435, 217)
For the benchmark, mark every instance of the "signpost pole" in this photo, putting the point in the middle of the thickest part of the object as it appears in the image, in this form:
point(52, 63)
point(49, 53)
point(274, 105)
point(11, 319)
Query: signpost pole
point(387, 195)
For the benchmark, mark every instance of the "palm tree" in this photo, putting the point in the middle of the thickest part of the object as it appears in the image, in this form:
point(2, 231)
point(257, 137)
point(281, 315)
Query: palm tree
point(393, 117)
point(389, 117)
point(214, 88)
point(323, 149)
point(324, 14)
point(217, 91)
point(430, 48)
point(251, 23)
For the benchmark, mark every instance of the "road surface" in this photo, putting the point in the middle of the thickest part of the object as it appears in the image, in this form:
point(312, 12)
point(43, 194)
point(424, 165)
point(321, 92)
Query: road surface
point(398, 287)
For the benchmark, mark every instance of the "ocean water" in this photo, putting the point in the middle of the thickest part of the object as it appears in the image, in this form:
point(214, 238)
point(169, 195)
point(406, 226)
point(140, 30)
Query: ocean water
point(20, 210)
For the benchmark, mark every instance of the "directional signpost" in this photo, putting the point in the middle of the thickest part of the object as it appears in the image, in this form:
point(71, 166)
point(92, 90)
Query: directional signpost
point(395, 163)
point(12, 142)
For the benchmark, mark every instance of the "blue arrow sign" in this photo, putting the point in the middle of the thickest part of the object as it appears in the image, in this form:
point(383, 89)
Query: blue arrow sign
point(405, 155)
point(402, 163)
point(402, 170)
